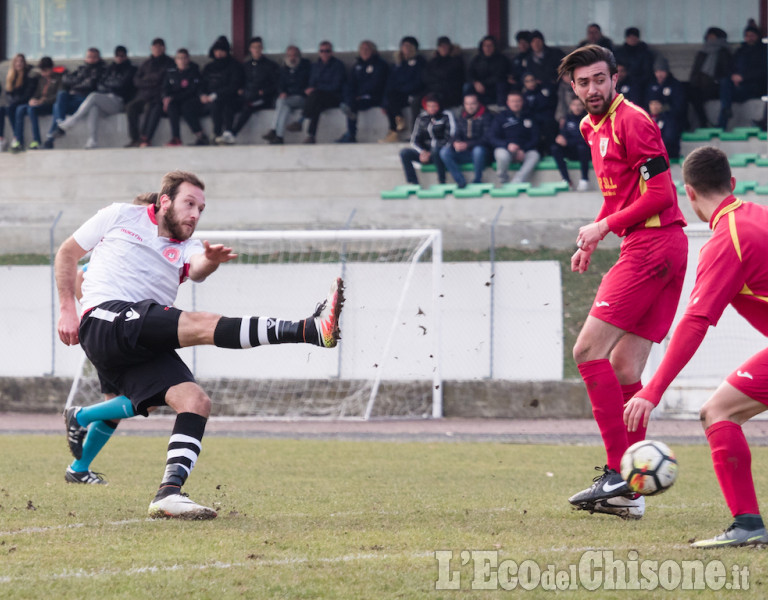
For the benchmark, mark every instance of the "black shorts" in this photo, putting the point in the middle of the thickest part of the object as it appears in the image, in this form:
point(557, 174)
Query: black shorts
point(132, 345)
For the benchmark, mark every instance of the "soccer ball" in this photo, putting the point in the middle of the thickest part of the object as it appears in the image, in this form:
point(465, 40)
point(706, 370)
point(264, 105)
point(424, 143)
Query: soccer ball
point(649, 467)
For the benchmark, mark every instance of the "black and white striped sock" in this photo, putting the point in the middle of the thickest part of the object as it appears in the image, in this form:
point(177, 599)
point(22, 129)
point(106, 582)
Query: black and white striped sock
point(248, 332)
point(183, 449)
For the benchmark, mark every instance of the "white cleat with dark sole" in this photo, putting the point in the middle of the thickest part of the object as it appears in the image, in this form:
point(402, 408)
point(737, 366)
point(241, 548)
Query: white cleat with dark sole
point(621, 506)
point(179, 506)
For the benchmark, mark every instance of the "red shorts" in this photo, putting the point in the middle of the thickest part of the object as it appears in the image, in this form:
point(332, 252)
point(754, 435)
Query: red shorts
point(641, 292)
point(751, 378)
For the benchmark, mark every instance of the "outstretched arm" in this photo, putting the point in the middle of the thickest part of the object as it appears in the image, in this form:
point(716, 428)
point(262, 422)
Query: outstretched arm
point(202, 265)
point(689, 334)
point(65, 269)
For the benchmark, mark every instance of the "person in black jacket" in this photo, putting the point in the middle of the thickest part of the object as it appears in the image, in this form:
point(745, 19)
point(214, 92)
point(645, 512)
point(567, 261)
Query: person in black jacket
point(19, 87)
point(638, 59)
point(469, 144)
point(544, 60)
point(222, 77)
point(148, 81)
point(77, 86)
point(405, 87)
point(293, 80)
point(487, 73)
point(433, 130)
point(326, 84)
point(570, 144)
point(48, 84)
point(444, 73)
point(113, 90)
point(364, 88)
point(260, 78)
point(181, 89)
point(710, 66)
point(541, 102)
point(748, 78)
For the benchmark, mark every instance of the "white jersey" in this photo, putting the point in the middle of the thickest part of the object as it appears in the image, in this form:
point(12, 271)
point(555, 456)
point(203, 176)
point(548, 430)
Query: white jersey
point(130, 261)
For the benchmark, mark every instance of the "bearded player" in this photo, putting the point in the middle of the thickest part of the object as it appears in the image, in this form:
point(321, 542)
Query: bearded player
point(636, 301)
point(130, 329)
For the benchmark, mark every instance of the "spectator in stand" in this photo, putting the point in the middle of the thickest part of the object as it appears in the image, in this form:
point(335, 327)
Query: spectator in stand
point(637, 57)
point(570, 144)
point(364, 88)
point(221, 78)
point(519, 64)
point(20, 84)
point(434, 129)
point(711, 65)
point(541, 102)
point(181, 97)
point(469, 143)
point(627, 86)
point(565, 94)
point(148, 100)
point(293, 80)
point(48, 83)
point(595, 36)
point(544, 59)
point(444, 73)
point(113, 90)
point(514, 136)
point(669, 124)
point(77, 85)
point(669, 90)
point(260, 75)
point(748, 77)
point(405, 87)
point(326, 84)
point(487, 73)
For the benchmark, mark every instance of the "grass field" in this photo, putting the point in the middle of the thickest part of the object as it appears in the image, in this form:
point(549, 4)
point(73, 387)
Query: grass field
point(338, 519)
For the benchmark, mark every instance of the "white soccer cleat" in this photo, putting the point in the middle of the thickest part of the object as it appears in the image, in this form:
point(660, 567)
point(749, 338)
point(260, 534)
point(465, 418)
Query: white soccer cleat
point(621, 506)
point(179, 506)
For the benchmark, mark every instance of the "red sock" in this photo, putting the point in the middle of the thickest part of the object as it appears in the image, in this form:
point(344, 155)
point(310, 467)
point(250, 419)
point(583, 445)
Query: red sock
point(627, 392)
point(605, 395)
point(733, 466)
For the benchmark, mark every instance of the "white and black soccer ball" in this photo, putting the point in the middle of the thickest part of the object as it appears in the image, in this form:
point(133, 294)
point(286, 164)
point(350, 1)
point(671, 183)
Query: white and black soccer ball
point(649, 467)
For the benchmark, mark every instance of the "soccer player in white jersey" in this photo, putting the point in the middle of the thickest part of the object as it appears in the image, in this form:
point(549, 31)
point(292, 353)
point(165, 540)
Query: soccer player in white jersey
point(130, 330)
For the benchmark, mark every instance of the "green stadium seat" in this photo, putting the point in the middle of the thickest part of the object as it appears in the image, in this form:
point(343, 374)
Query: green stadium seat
point(762, 136)
point(439, 190)
point(548, 189)
point(749, 131)
point(703, 134)
point(742, 187)
point(761, 161)
point(509, 190)
point(546, 164)
point(761, 190)
point(741, 159)
point(734, 136)
point(400, 192)
point(473, 190)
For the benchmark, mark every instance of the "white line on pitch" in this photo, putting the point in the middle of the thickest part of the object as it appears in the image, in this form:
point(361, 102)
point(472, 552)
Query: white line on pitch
point(69, 526)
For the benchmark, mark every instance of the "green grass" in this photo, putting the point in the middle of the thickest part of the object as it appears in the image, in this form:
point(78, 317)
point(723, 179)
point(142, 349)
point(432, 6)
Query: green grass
point(332, 519)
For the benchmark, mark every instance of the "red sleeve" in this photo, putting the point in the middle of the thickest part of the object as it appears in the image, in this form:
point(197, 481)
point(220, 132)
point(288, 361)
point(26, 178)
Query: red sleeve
point(654, 200)
point(686, 339)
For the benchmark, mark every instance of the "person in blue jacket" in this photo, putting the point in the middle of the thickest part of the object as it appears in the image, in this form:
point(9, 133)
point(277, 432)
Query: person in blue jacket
point(469, 144)
point(570, 144)
point(514, 136)
point(405, 87)
point(326, 84)
point(365, 87)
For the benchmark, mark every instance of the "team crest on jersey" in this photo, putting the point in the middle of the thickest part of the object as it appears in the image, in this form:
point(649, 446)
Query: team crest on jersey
point(171, 254)
point(603, 146)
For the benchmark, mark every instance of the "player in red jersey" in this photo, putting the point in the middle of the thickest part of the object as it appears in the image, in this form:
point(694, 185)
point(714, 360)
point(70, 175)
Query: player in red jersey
point(732, 270)
point(636, 301)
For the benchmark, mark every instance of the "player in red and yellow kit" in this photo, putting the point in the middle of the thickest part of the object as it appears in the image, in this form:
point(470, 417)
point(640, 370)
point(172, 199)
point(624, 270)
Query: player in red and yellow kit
point(732, 270)
point(636, 301)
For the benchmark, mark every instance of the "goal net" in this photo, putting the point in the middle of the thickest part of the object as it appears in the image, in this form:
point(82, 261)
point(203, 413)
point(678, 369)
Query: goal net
point(387, 362)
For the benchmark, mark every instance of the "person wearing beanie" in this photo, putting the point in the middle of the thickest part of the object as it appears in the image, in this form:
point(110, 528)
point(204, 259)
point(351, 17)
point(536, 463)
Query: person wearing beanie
point(444, 73)
point(148, 81)
point(711, 64)
point(221, 78)
point(670, 91)
point(637, 57)
point(544, 59)
point(519, 63)
point(405, 87)
point(748, 78)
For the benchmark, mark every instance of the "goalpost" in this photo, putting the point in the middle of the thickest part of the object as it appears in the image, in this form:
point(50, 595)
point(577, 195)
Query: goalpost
point(387, 363)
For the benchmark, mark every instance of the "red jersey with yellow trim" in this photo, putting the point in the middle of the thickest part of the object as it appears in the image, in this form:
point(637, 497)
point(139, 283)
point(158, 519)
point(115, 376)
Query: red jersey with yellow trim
point(621, 141)
point(733, 265)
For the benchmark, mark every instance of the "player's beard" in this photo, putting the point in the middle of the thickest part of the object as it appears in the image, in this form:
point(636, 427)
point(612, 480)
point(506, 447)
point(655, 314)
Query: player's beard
point(174, 226)
point(600, 109)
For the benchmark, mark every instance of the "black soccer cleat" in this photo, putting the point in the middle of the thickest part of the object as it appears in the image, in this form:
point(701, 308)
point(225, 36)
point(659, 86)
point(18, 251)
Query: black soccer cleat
point(75, 432)
point(87, 477)
point(608, 485)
